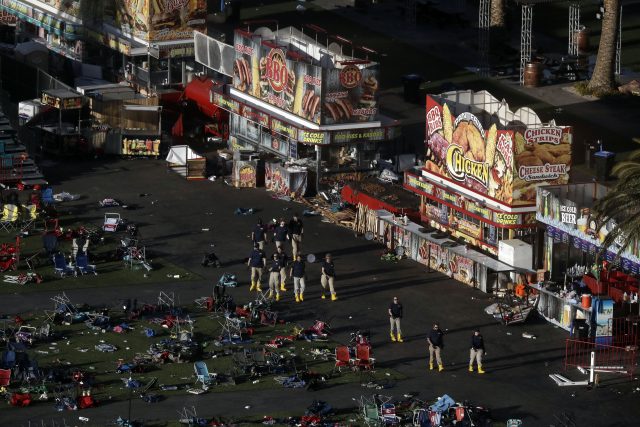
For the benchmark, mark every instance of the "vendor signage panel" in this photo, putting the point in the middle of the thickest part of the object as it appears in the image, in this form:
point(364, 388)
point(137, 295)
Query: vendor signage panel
point(476, 209)
point(284, 129)
point(350, 93)
point(162, 20)
point(140, 147)
point(415, 182)
point(501, 164)
point(225, 103)
point(72, 103)
point(358, 135)
point(506, 218)
point(272, 74)
point(254, 115)
point(23, 10)
point(312, 137)
point(568, 214)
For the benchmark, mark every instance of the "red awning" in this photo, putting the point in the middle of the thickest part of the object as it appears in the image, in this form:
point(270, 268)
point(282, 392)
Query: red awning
point(199, 90)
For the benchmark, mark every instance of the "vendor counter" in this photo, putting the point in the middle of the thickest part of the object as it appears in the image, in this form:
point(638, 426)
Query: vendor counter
point(559, 309)
point(436, 251)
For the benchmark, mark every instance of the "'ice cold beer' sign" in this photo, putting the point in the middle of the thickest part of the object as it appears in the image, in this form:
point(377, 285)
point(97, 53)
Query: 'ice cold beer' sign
point(568, 214)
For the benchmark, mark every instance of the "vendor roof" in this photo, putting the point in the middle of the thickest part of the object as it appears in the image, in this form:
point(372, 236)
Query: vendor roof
point(312, 44)
point(488, 109)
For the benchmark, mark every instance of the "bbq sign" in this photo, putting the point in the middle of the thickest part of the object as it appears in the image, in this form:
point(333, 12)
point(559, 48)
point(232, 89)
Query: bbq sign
point(350, 76)
point(276, 70)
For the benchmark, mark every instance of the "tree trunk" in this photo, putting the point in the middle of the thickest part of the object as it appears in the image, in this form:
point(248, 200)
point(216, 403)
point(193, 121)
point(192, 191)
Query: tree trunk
point(603, 78)
point(497, 13)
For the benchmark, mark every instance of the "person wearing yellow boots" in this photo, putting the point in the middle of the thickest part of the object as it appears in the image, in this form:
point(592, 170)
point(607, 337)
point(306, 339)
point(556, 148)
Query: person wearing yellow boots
point(436, 344)
point(328, 277)
point(284, 261)
point(297, 272)
point(274, 277)
point(477, 351)
point(395, 314)
point(257, 261)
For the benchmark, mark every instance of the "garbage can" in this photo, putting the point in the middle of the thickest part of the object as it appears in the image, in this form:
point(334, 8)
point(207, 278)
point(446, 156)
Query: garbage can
point(411, 84)
point(604, 163)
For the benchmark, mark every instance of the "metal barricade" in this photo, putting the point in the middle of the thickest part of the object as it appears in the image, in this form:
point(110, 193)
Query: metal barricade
point(625, 330)
point(608, 358)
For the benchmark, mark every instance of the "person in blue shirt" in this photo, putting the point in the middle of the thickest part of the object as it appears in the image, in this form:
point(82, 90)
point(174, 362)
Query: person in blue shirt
point(328, 277)
point(258, 235)
point(257, 261)
point(298, 273)
point(477, 351)
point(281, 234)
point(284, 262)
point(274, 276)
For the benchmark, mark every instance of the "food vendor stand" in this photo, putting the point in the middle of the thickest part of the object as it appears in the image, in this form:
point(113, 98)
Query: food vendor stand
point(141, 130)
point(63, 137)
point(483, 164)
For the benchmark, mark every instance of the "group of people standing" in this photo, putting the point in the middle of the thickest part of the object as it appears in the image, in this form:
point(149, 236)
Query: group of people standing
point(279, 262)
point(435, 340)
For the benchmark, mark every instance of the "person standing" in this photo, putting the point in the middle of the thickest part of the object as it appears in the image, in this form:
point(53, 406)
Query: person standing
point(258, 235)
point(257, 262)
point(436, 344)
point(328, 277)
point(477, 351)
point(274, 277)
point(395, 314)
point(281, 234)
point(297, 272)
point(284, 262)
point(296, 229)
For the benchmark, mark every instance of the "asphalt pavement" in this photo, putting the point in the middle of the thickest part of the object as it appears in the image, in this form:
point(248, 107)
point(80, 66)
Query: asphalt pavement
point(173, 213)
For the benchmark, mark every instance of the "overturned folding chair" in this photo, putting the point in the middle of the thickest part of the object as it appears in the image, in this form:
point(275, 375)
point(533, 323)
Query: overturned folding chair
point(61, 267)
point(82, 262)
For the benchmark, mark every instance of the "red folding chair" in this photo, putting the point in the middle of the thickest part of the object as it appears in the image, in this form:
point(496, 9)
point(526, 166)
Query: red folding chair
point(342, 358)
point(363, 357)
point(5, 377)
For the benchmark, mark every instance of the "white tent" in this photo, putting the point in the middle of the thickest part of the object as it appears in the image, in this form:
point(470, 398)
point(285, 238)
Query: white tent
point(186, 162)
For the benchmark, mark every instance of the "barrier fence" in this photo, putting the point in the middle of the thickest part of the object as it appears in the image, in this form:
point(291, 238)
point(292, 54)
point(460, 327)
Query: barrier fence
point(608, 358)
point(625, 330)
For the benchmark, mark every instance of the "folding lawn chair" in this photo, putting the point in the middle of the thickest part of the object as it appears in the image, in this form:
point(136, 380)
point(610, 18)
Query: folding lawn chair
point(9, 219)
point(61, 267)
point(343, 358)
point(5, 377)
point(202, 374)
point(82, 262)
point(29, 218)
point(388, 414)
point(47, 197)
point(112, 221)
point(364, 361)
point(369, 412)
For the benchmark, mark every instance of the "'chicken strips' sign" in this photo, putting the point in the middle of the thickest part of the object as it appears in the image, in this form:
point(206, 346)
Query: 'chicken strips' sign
point(502, 164)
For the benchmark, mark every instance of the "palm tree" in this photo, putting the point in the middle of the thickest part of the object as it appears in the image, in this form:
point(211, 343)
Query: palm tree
point(621, 204)
point(497, 13)
point(603, 78)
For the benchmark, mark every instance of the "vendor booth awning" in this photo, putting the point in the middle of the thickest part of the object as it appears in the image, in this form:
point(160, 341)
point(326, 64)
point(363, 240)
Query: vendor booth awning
point(62, 27)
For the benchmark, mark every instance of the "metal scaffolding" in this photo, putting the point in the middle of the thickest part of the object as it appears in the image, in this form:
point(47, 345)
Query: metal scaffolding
point(410, 11)
point(484, 25)
point(619, 43)
point(525, 38)
point(574, 27)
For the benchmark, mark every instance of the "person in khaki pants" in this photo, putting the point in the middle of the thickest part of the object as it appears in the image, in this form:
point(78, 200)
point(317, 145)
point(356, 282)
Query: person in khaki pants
point(395, 314)
point(257, 262)
point(477, 351)
point(297, 272)
point(436, 344)
point(295, 231)
point(284, 262)
point(274, 277)
point(328, 277)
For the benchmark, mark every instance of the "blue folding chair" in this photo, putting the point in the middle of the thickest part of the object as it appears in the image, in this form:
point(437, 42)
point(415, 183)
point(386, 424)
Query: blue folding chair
point(202, 374)
point(47, 197)
point(61, 267)
point(82, 262)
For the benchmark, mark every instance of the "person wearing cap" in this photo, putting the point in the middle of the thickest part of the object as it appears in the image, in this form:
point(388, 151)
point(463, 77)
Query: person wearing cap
point(274, 276)
point(436, 344)
point(284, 261)
point(258, 235)
point(281, 234)
point(296, 230)
point(477, 351)
point(328, 277)
point(297, 272)
point(257, 262)
point(395, 314)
